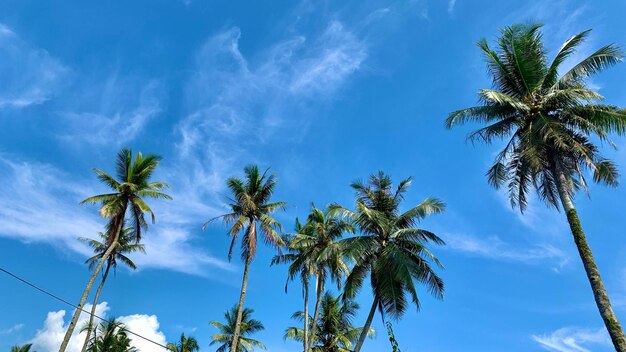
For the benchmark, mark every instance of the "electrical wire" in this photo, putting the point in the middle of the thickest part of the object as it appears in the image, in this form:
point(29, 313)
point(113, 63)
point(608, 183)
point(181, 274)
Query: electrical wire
point(74, 306)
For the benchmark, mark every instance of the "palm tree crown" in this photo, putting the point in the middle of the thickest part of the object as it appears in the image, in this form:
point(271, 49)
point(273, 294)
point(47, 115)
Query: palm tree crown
point(249, 204)
point(315, 251)
point(335, 331)
point(547, 118)
point(390, 249)
point(133, 184)
point(186, 344)
point(126, 245)
point(23, 348)
point(249, 326)
point(110, 336)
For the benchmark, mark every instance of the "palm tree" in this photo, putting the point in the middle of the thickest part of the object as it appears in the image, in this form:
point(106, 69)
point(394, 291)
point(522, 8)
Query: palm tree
point(23, 348)
point(390, 248)
point(125, 246)
point(549, 120)
point(335, 331)
point(110, 336)
point(186, 344)
point(248, 326)
point(127, 196)
point(299, 266)
point(319, 246)
point(251, 207)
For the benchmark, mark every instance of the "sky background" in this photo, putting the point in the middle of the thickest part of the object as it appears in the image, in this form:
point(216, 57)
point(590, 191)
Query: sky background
point(324, 93)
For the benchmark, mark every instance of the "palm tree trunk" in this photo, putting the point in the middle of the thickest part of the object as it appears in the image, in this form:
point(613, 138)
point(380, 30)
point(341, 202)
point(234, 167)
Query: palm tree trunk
point(93, 307)
point(366, 328)
point(319, 287)
point(118, 223)
point(306, 315)
point(242, 296)
point(83, 299)
point(593, 274)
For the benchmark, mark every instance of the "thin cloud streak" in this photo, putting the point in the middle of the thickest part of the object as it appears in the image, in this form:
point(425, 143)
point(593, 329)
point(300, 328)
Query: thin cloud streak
point(37, 204)
point(493, 247)
point(123, 109)
point(571, 339)
point(30, 75)
point(238, 104)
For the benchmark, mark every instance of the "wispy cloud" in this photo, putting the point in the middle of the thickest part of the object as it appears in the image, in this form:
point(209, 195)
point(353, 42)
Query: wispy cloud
point(574, 340)
point(112, 113)
point(37, 204)
point(235, 104)
point(451, 5)
point(30, 75)
point(238, 104)
point(12, 329)
point(493, 247)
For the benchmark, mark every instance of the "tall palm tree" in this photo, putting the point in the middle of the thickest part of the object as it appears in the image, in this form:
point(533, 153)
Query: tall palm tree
point(299, 266)
point(126, 197)
point(125, 246)
point(335, 331)
point(248, 326)
point(549, 117)
point(110, 336)
point(186, 344)
point(251, 208)
point(390, 248)
point(23, 348)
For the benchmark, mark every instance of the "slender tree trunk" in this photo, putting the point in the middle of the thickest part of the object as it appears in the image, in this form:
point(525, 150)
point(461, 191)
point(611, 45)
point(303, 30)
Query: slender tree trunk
point(83, 299)
point(117, 225)
point(319, 287)
point(93, 308)
point(306, 315)
point(593, 274)
point(366, 328)
point(242, 296)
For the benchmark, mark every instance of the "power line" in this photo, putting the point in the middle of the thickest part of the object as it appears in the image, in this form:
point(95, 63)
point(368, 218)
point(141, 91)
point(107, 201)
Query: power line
point(74, 306)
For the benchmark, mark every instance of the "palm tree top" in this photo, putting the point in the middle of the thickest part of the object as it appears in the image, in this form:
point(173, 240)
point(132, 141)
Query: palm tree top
point(249, 326)
point(547, 115)
point(250, 205)
point(390, 248)
point(335, 329)
point(185, 344)
point(133, 184)
point(24, 348)
point(126, 245)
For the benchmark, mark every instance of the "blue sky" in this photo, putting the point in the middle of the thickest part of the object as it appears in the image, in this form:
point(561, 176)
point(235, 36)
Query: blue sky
point(323, 92)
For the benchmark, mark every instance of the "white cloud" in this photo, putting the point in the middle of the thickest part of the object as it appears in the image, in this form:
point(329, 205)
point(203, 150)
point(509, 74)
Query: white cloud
point(238, 103)
point(37, 204)
point(235, 104)
point(339, 53)
point(574, 340)
point(114, 116)
point(451, 5)
point(493, 247)
point(30, 75)
point(50, 336)
point(12, 329)
point(146, 326)
point(170, 248)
